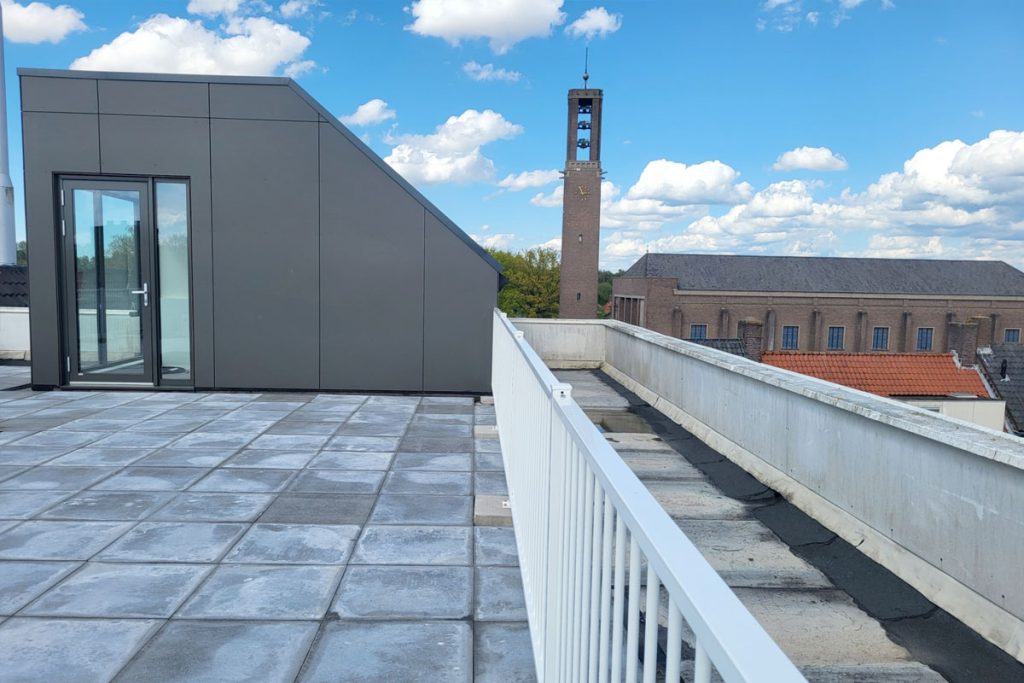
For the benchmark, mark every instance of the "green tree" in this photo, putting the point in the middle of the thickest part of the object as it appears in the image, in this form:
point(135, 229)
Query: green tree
point(22, 253)
point(604, 288)
point(531, 288)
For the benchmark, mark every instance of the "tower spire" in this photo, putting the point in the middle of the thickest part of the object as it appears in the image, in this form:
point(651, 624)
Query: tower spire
point(586, 64)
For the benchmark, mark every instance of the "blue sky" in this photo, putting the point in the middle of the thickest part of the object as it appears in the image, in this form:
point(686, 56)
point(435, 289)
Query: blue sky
point(838, 127)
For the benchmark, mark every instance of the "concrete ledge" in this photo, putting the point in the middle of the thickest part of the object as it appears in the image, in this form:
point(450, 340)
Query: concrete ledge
point(492, 511)
point(990, 621)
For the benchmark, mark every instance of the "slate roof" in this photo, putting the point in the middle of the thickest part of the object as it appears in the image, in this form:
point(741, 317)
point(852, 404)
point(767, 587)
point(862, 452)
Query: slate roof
point(886, 374)
point(1011, 389)
point(13, 285)
point(733, 346)
point(832, 275)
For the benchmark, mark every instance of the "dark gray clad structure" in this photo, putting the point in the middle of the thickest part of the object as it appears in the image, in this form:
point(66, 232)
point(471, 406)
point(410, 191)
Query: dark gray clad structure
point(230, 233)
point(715, 272)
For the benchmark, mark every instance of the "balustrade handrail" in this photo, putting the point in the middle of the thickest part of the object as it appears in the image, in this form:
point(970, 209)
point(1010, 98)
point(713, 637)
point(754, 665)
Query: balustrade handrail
point(724, 630)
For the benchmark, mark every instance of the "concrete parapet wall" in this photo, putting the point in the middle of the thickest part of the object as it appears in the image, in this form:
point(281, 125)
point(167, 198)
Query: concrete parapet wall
point(937, 501)
point(14, 340)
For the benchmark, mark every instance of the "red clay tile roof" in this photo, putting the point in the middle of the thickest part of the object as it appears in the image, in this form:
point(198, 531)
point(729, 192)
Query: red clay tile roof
point(886, 374)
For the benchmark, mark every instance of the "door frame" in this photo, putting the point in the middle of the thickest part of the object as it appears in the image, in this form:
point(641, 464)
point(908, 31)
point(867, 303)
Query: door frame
point(149, 269)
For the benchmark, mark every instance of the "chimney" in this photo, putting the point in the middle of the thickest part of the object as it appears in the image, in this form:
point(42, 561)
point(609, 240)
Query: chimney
point(963, 340)
point(985, 329)
point(750, 333)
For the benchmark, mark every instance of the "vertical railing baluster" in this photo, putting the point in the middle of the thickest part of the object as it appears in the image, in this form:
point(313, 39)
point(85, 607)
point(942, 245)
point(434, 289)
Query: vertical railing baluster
point(570, 565)
point(651, 630)
point(674, 648)
point(701, 664)
point(606, 592)
point(583, 587)
point(596, 555)
point(618, 603)
point(633, 623)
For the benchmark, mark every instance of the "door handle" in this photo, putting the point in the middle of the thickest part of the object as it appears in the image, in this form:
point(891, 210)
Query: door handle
point(144, 292)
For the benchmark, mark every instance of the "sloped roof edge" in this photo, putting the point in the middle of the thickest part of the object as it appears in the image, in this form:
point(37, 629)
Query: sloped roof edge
point(308, 99)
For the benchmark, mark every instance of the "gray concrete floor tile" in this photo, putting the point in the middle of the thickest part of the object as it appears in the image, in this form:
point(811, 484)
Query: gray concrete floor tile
point(414, 545)
point(351, 460)
point(271, 459)
point(25, 504)
point(393, 402)
point(488, 446)
point(8, 471)
point(404, 592)
point(23, 582)
point(434, 419)
point(135, 440)
point(174, 542)
point(91, 456)
point(435, 462)
point(290, 442)
point(45, 540)
point(446, 409)
point(295, 544)
point(245, 591)
point(503, 653)
point(168, 425)
point(376, 444)
point(337, 481)
point(236, 428)
point(319, 508)
point(214, 507)
point(411, 652)
point(120, 591)
point(56, 478)
point(489, 462)
point(12, 454)
point(392, 427)
point(495, 545)
point(490, 484)
point(225, 652)
point(186, 457)
point(406, 509)
point(108, 506)
point(152, 479)
point(439, 429)
point(304, 427)
point(92, 424)
point(214, 440)
point(69, 650)
point(58, 437)
point(239, 480)
point(428, 483)
point(436, 444)
point(499, 594)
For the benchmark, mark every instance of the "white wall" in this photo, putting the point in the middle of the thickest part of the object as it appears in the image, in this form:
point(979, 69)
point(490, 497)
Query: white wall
point(988, 413)
point(937, 501)
point(14, 333)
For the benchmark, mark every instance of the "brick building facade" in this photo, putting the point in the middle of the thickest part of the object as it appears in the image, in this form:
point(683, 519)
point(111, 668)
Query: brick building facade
point(827, 304)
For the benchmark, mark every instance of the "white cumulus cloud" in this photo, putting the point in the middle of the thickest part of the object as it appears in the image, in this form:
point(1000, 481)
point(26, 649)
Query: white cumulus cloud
point(521, 181)
point(297, 8)
point(555, 244)
point(253, 46)
point(369, 113)
point(709, 182)
point(811, 159)
point(37, 22)
point(502, 22)
point(452, 152)
point(596, 22)
point(502, 240)
point(212, 8)
point(489, 72)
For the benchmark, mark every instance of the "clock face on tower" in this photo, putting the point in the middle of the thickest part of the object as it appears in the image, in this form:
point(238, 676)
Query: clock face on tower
point(583, 190)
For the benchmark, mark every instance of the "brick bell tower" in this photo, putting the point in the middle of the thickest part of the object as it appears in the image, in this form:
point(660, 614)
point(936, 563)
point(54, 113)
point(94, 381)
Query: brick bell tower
point(581, 205)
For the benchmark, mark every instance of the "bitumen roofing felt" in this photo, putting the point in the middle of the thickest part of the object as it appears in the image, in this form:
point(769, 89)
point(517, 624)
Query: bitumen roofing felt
point(1008, 386)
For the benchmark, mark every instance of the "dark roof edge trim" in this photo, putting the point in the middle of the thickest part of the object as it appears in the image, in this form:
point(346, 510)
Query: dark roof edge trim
point(308, 99)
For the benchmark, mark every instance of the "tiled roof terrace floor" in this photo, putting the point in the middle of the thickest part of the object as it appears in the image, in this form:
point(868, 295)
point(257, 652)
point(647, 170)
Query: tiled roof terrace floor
point(14, 376)
point(239, 537)
point(838, 615)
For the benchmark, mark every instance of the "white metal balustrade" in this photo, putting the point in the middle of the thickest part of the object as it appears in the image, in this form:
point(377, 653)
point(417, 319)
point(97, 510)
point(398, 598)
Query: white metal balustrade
point(585, 528)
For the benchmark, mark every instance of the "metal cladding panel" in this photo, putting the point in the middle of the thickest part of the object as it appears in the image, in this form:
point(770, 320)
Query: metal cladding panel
point(54, 143)
point(371, 261)
point(64, 95)
point(265, 254)
point(460, 292)
point(154, 98)
point(272, 102)
point(180, 147)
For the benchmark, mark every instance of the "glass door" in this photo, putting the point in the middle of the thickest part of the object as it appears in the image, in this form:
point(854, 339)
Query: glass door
point(108, 266)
